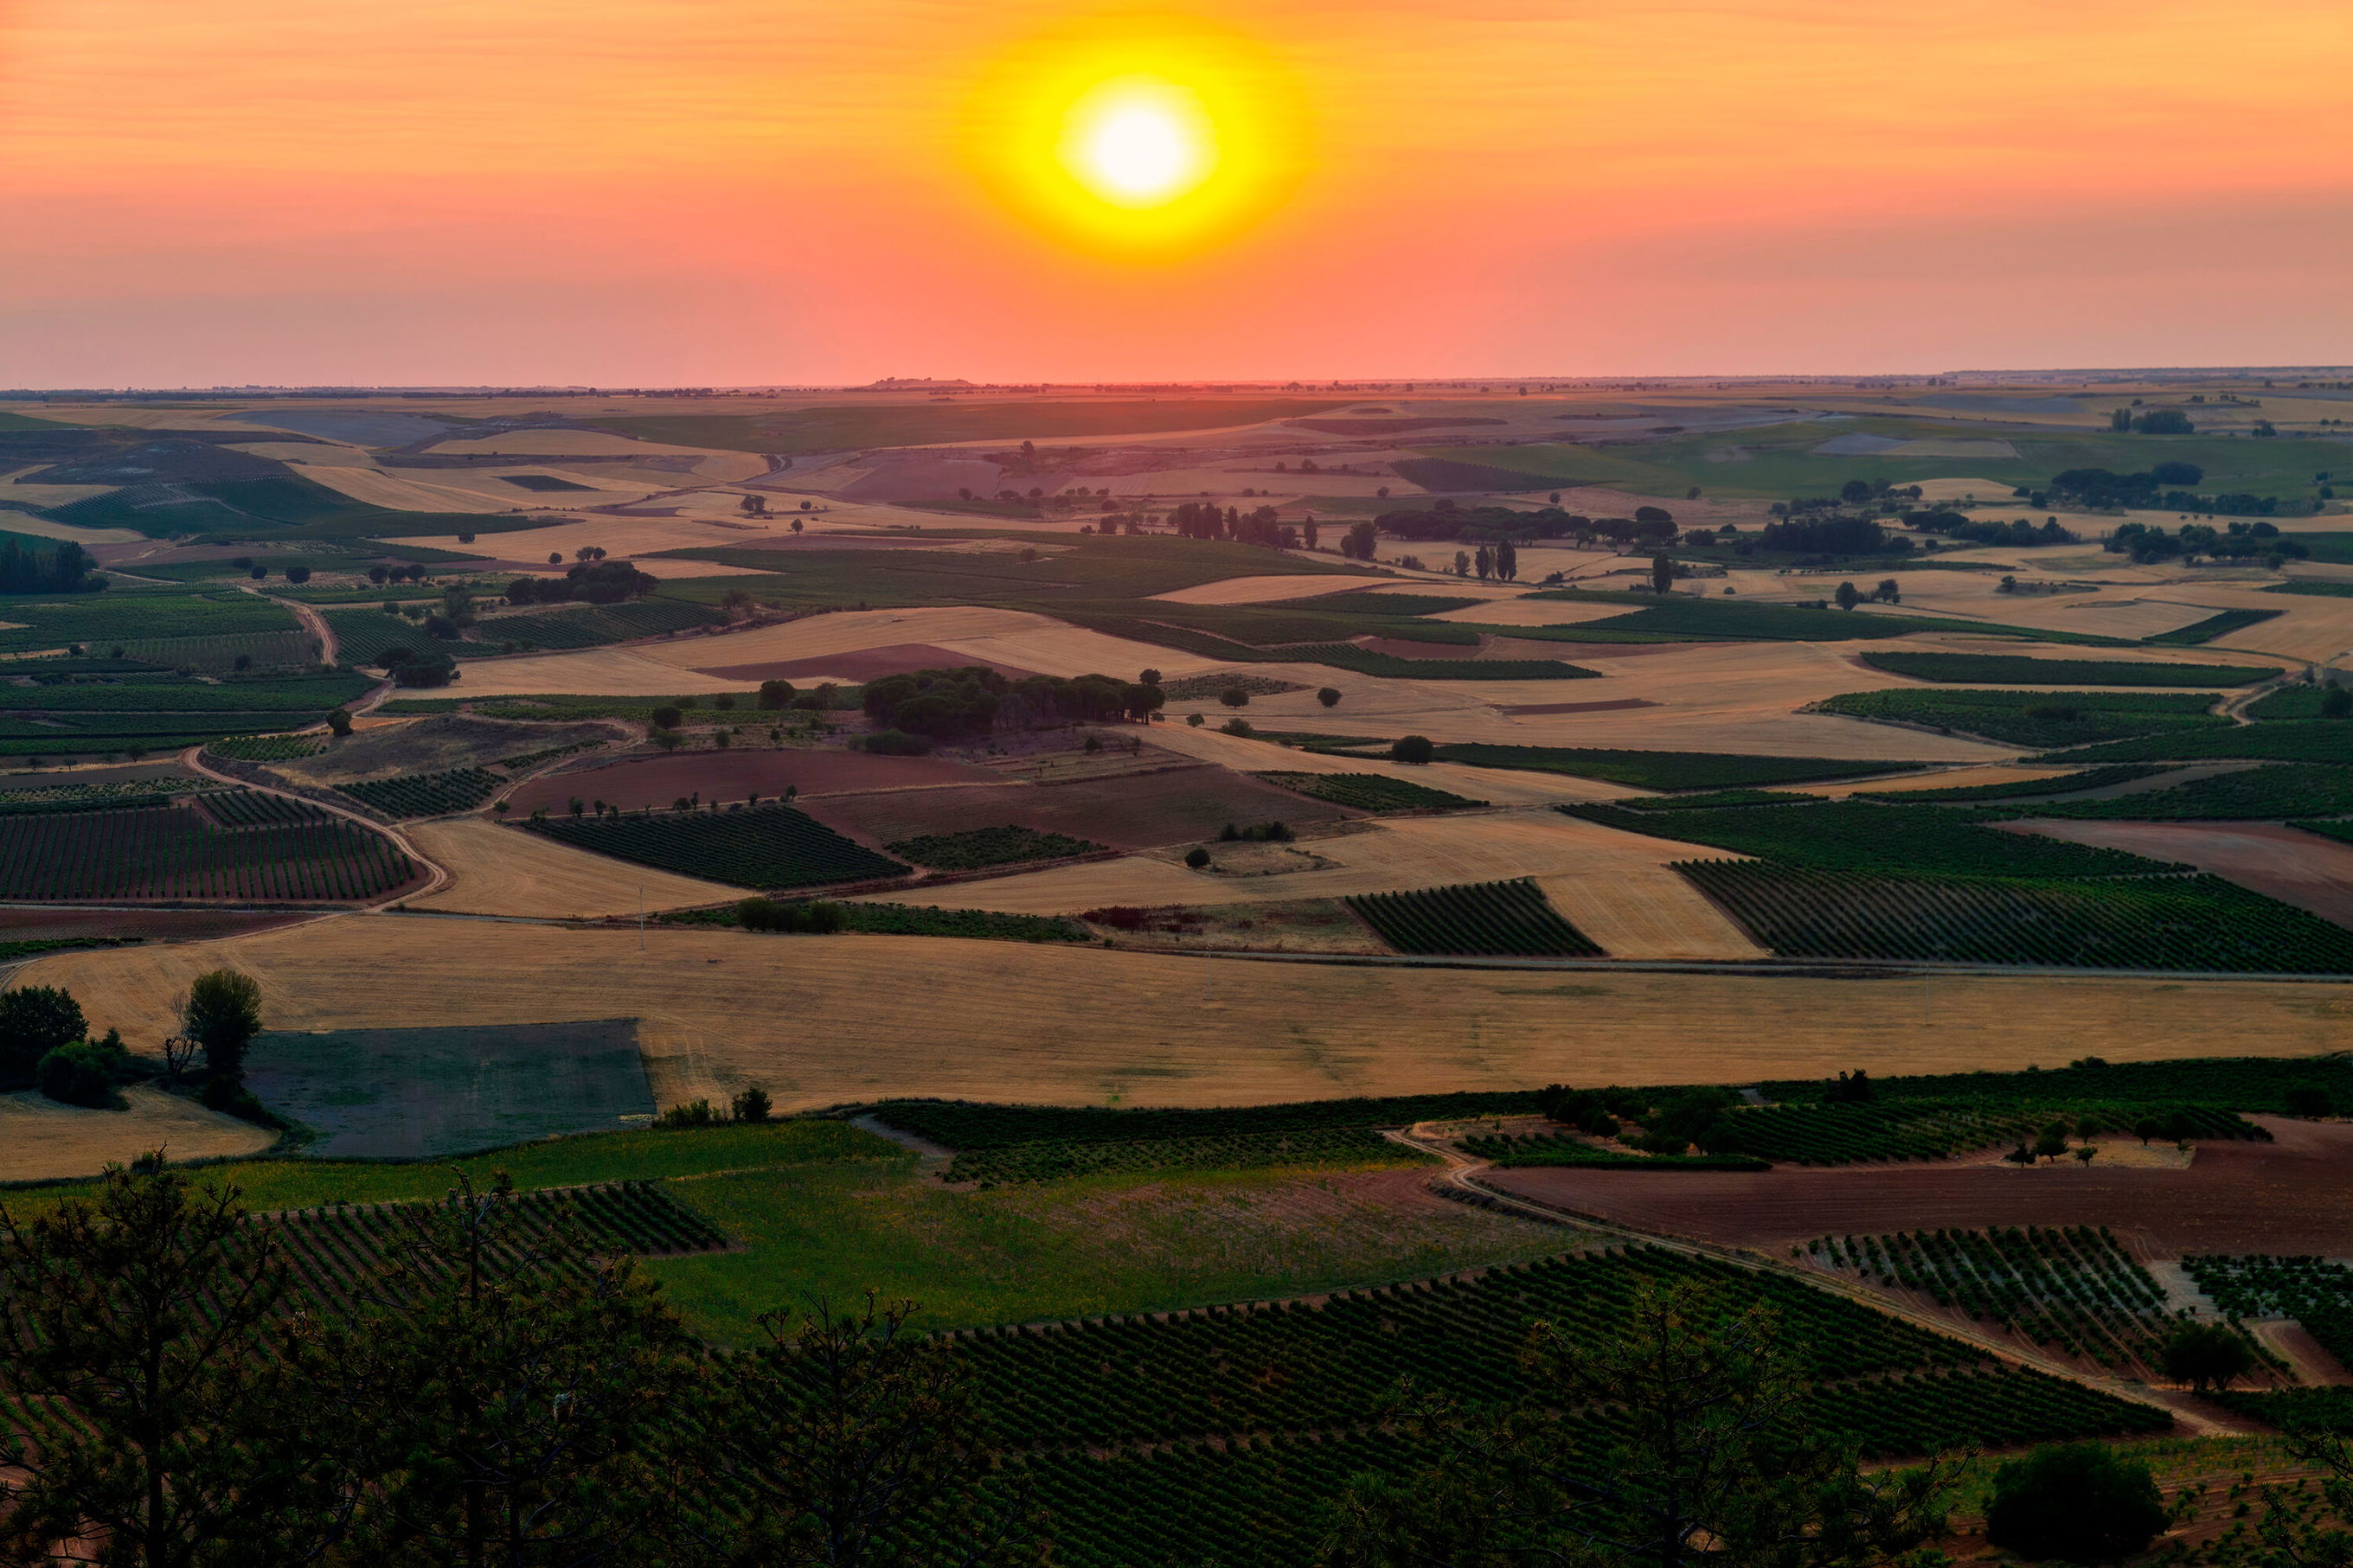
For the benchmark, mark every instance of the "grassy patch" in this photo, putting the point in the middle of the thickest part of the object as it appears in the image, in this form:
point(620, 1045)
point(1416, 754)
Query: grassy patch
point(2016, 669)
point(2047, 720)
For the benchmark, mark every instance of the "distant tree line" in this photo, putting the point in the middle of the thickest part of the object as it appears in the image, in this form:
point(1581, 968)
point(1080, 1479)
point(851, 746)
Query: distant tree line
point(67, 569)
point(591, 582)
point(973, 701)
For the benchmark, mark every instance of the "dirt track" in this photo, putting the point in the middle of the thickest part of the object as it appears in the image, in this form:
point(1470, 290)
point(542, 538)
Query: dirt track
point(2295, 1195)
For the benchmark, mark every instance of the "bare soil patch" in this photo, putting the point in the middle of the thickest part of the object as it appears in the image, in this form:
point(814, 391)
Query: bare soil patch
point(732, 776)
point(1402, 647)
point(432, 745)
point(1526, 708)
point(1139, 810)
point(866, 664)
point(154, 925)
point(2294, 1195)
point(2280, 862)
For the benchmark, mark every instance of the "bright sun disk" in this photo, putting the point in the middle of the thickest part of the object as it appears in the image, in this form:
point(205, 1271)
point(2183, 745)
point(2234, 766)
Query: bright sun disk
point(1138, 143)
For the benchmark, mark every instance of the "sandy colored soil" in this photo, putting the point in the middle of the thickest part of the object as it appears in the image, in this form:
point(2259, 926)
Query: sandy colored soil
point(1617, 882)
point(60, 495)
point(1266, 590)
point(1177, 806)
point(732, 776)
point(2296, 867)
point(500, 870)
point(866, 664)
point(591, 672)
point(568, 443)
point(2295, 1195)
point(1013, 638)
point(824, 1019)
point(400, 493)
point(41, 1140)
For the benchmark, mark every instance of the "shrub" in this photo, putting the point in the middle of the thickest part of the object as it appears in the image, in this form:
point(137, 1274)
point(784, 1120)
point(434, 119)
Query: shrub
point(1329, 696)
point(896, 743)
point(33, 1021)
point(2310, 1100)
point(2206, 1355)
point(1411, 749)
point(694, 1113)
point(339, 722)
point(1193, 719)
point(1234, 697)
point(82, 1072)
point(2079, 1501)
point(1237, 726)
point(665, 717)
point(753, 1104)
point(1196, 857)
point(775, 693)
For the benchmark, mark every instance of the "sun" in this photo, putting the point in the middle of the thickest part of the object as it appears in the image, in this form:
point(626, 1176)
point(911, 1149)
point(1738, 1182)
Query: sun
point(1139, 143)
point(1141, 138)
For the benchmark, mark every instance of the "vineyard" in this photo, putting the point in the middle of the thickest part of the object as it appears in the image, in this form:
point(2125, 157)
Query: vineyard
point(752, 847)
point(1510, 918)
point(1368, 791)
point(2274, 792)
point(2256, 1084)
point(101, 796)
point(266, 748)
point(143, 615)
point(1052, 1160)
point(2298, 701)
point(1709, 800)
point(2072, 1289)
point(979, 848)
point(2063, 784)
point(427, 794)
point(1664, 770)
point(1692, 615)
point(2213, 627)
point(2044, 719)
point(2018, 669)
point(262, 650)
point(2198, 922)
point(249, 847)
point(2314, 1291)
point(1366, 661)
point(1842, 1134)
point(547, 754)
point(1510, 1151)
point(1869, 836)
point(2278, 741)
point(1295, 1367)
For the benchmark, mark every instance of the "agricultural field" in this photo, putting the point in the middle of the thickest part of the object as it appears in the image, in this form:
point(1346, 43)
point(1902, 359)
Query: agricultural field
point(2272, 791)
point(2012, 789)
point(229, 845)
point(755, 846)
point(1134, 811)
point(1869, 836)
point(979, 848)
point(1499, 918)
point(2014, 670)
point(2314, 1291)
point(1368, 791)
point(2279, 741)
point(429, 795)
point(2045, 720)
point(1664, 770)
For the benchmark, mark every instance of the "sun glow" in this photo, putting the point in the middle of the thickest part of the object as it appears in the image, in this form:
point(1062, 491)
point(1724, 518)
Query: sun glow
point(1138, 139)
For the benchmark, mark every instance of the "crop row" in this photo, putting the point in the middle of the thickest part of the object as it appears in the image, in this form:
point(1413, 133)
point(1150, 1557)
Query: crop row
point(1866, 836)
point(2228, 1083)
point(260, 650)
point(241, 809)
point(1510, 1151)
point(1368, 791)
point(427, 794)
point(1474, 918)
point(979, 847)
point(752, 847)
point(1663, 770)
point(2314, 1291)
point(174, 852)
point(115, 792)
point(2072, 1287)
point(2271, 793)
point(2044, 720)
point(546, 754)
point(1052, 1160)
point(2199, 922)
point(267, 748)
point(2018, 669)
point(2061, 784)
point(962, 1125)
point(301, 694)
point(2282, 741)
point(1839, 1134)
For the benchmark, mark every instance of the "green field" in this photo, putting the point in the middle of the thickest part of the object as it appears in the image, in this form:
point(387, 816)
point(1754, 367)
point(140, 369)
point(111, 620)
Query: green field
point(1869, 836)
point(1664, 770)
point(982, 847)
point(2063, 784)
point(2044, 720)
point(1369, 792)
point(2282, 741)
point(2017, 670)
point(926, 424)
point(2284, 790)
point(752, 847)
point(1705, 617)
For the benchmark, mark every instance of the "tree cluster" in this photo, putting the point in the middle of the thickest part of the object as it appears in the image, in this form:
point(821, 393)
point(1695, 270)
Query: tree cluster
point(590, 582)
point(1205, 520)
point(67, 569)
point(2020, 534)
point(973, 701)
point(2233, 541)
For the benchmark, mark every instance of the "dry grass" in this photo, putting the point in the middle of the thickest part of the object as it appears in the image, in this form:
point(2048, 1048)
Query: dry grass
point(591, 673)
point(41, 1140)
point(378, 488)
point(505, 872)
point(1648, 912)
point(820, 1020)
point(1266, 590)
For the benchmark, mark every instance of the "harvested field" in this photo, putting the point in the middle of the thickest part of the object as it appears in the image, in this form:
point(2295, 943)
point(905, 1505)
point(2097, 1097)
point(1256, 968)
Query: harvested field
point(852, 668)
point(2294, 1196)
point(399, 493)
point(1010, 638)
point(1648, 917)
point(41, 1140)
point(1135, 811)
point(414, 1092)
point(717, 1009)
point(641, 782)
point(1528, 709)
point(1405, 647)
point(1593, 867)
point(591, 672)
point(2284, 863)
point(495, 871)
point(1268, 590)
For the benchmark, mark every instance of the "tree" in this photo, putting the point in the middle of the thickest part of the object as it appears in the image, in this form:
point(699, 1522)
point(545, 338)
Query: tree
point(1461, 563)
point(2080, 1501)
point(144, 1320)
point(2206, 1355)
point(83, 1072)
point(223, 1012)
point(1196, 857)
point(2337, 703)
point(339, 722)
point(853, 1443)
point(2147, 1128)
point(773, 694)
point(665, 717)
point(1848, 596)
point(1889, 591)
point(1147, 677)
point(751, 1104)
point(1706, 1460)
point(2309, 1099)
point(1329, 696)
point(1663, 575)
point(33, 1021)
point(1234, 697)
point(1411, 749)
point(2052, 1141)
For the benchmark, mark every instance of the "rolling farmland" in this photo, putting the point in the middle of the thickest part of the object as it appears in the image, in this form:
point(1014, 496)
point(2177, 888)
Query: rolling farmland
point(1501, 917)
point(240, 846)
point(427, 795)
point(755, 846)
point(1368, 791)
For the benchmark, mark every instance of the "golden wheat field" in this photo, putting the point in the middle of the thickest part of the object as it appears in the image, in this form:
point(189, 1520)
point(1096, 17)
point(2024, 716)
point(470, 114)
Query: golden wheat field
point(41, 1140)
point(500, 870)
point(819, 1020)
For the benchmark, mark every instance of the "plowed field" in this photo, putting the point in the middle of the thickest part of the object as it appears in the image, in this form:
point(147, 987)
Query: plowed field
point(732, 776)
point(1134, 812)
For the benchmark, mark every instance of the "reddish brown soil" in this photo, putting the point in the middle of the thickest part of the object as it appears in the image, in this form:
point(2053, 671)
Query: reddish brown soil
point(866, 664)
point(2296, 867)
point(732, 776)
point(2292, 1195)
point(1539, 647)
point(1400, 647)
point(1526, 707)
point(1138, 811)
point(154, 925)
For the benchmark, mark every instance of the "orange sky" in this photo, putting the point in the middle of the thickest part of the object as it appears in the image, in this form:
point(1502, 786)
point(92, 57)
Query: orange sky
point(664, 192)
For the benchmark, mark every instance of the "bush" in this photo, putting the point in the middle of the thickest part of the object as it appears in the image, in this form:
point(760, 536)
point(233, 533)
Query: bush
point(753, 1104)
point(665, 717)
point(33, 1021)
point(766, 914)
point(1196, 857)
point(775, 693)
point(2079, 1501)
point(83, 1073)
point(2310, 1100)
point(1412, 749)
point(2206, 1355)
point(1329, 696)
point(896, 743)
point(1234, 697)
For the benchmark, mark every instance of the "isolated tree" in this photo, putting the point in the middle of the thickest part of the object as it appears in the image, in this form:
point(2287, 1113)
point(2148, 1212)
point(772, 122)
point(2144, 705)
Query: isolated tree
point(1147, 677)
point(1329, 696)
point(33, 1021)
point(1707, 1458)
point(751, 1104)
point(1411, 749)
point(1889, 591)
point(1848, 596)
point(2206, 1355)
point(1662, 573)
point(223, 1014)
point(774, 693)
point(339, 722)
point(853, 1443)
point(2052, 1141)
point(2080, 1501)
point(142, 1320)
point(1234, 697)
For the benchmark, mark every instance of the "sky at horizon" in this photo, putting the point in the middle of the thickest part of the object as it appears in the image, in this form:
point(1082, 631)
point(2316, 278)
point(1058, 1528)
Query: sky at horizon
point(744, 191)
